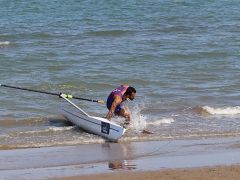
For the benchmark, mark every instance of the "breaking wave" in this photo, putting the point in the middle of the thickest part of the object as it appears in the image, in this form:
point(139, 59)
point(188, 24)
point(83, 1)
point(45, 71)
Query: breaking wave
point(222, 110)
point(162, 121)
point(4, 43)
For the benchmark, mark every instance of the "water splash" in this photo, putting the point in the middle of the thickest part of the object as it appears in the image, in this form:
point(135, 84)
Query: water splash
point(138, 121)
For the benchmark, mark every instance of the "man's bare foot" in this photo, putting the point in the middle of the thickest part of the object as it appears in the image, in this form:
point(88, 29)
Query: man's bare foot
point(127, 122)
point(146, 132)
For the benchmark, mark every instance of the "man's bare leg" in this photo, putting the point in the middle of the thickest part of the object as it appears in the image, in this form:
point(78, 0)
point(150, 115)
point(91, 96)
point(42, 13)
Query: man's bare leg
point(126, 115)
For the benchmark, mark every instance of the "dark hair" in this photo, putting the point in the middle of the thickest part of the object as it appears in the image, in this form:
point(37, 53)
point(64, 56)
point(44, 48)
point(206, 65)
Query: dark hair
point(130, 90)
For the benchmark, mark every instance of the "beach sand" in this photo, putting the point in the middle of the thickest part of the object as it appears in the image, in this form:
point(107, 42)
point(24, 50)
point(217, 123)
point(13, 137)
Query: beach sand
point(206, 173)
point(208, 158)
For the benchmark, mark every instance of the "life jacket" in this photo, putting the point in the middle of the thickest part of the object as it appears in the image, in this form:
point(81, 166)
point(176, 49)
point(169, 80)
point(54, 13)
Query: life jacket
point(118, 91)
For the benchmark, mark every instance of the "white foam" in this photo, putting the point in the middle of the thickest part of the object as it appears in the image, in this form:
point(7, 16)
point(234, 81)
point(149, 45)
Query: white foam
point(161, 121)
point(2, 43)
point(222, 111)
point(48, 130)
point(61, 128)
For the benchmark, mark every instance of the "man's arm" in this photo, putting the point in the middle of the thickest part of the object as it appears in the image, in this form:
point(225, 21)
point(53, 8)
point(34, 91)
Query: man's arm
point(117, 100)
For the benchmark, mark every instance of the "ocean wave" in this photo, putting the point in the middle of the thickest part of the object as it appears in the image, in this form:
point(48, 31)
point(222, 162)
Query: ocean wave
point(24, 35)
point(22, 122)
point(85, 138)
point(4, 43)
point(42, 132)
point(186, 136)
point(53, 121)
point(162, 121)
point(34, 142)
point(222, 111)
point(109, 33)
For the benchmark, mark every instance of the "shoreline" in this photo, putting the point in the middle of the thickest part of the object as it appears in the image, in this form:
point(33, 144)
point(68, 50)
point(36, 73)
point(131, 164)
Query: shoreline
point(109, 159)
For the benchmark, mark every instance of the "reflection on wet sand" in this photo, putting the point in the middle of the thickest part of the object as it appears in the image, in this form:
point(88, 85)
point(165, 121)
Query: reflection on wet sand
point(119, 155)
point(121, 164)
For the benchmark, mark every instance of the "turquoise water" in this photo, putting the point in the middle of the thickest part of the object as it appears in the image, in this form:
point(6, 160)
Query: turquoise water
point(181, 56)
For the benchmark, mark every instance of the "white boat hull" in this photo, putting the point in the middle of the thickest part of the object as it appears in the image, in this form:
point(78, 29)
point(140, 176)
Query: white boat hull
point(95, 125)
point(92, 124)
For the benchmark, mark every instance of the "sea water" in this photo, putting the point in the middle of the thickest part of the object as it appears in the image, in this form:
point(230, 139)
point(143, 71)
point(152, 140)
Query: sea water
point(182, 56)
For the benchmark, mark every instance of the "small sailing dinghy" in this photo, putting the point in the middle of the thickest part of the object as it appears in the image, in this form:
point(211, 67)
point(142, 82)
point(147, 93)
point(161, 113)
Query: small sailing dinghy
point(92, 124)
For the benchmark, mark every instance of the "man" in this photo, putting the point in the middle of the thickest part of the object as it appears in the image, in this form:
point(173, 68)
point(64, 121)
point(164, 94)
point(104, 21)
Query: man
point(115, 102)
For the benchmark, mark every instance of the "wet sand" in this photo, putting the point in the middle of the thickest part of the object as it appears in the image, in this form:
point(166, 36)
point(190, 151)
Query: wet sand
point(152, 160)
point(207, 173)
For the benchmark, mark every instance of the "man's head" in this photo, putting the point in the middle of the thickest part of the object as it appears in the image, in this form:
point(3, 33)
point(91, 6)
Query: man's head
point(130, 93)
